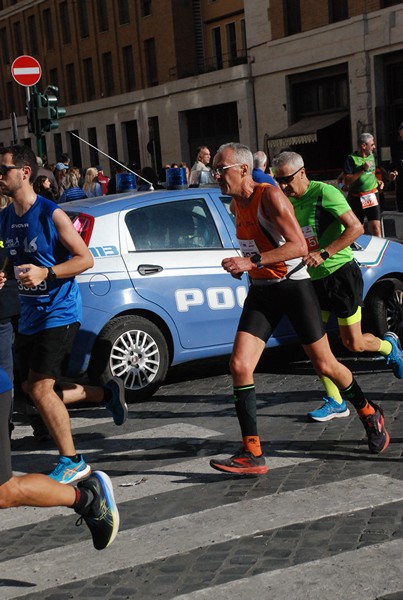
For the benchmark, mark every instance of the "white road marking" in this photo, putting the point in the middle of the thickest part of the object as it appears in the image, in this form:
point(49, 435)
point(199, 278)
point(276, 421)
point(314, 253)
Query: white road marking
point(185, 533)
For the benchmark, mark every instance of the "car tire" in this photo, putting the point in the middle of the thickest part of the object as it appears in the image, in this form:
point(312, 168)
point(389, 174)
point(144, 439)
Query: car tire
point(134, 349)
point(383, 308)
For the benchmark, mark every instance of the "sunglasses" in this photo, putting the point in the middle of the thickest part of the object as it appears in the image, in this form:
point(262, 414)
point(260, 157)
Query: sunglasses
point(4, 169)
point(288, 178)
point(219, 172)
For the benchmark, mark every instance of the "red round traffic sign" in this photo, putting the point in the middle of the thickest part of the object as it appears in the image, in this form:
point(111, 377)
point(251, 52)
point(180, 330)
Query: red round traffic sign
point(26, 70)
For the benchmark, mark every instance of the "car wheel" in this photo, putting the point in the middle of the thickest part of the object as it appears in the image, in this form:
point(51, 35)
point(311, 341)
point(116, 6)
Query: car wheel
point(383, 309)
point(134, 349)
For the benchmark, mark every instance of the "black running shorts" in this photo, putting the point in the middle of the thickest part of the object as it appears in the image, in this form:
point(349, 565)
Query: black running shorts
point(373, 213)
point(266, 304)
point(341, 292)
point(46, 352)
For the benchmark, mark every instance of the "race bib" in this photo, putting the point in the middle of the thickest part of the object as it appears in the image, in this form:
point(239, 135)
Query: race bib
point(248, 247)
point(368, 199)
point(40, 290)
point(310, 238)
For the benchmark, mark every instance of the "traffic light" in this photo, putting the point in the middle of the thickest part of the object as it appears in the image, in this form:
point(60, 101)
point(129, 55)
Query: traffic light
point(43, 113)
point(48, 112)
point(32, 114)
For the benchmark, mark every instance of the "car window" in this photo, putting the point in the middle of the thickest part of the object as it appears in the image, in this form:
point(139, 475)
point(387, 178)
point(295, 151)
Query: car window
point(187, 224)
point(226, 200)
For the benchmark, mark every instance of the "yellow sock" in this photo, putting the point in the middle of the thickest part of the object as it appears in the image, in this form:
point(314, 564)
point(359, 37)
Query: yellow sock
point(385, 348)
point(251, 443)
point(331, 390)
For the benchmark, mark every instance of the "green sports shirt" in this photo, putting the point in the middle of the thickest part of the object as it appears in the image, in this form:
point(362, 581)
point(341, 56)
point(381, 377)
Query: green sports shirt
point(367, 180)
point(317, 212)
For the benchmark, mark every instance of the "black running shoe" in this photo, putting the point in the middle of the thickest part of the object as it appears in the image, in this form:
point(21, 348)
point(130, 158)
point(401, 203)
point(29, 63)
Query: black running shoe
point(102, 516)
point(243, 463)
point(378, 437)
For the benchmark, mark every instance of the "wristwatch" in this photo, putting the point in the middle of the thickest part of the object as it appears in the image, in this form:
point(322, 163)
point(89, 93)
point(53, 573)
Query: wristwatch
point(257, 260)
point(51, 276)
point(324, 254)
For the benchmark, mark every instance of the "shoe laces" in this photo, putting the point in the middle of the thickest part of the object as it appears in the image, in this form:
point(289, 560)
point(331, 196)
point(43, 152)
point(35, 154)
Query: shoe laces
point(59, 467)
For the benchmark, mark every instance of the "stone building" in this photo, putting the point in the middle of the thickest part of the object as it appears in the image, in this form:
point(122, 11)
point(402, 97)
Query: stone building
point(147, 81)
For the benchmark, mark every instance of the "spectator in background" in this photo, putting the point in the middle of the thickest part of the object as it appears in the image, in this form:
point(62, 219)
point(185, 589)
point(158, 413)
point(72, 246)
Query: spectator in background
point(183, 165)
point(200, 170)
point(43, 188)
point(103, 179)
point(111, 187)
point(47, 172)
point(259, 169)
point(65, 158)
point(149, 175)
point(73, 192)
point(91, 186)
point(61, 177)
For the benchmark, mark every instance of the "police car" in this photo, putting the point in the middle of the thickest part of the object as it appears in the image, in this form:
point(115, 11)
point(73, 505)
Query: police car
point(157, 295)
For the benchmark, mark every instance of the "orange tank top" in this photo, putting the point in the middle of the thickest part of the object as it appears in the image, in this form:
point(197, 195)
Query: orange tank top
point(256, 234)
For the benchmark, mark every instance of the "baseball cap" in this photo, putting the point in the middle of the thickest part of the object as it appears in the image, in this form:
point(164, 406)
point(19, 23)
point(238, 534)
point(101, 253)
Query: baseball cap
point(60, 166)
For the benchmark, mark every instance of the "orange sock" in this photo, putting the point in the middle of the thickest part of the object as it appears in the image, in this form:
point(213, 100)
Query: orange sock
point(251, 443)
point(366, 411)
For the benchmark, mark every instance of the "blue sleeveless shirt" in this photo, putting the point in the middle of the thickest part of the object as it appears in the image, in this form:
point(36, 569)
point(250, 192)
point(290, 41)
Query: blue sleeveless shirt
point(33, 238)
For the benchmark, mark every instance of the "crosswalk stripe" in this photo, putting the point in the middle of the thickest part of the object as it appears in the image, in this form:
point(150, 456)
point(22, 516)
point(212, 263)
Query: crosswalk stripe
point(125, 444)
point(185, 533)
point(356, 575)
point(135, 486)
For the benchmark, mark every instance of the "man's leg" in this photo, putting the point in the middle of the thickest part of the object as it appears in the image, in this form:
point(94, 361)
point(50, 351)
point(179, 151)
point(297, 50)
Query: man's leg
point(374, 228)
point(111, 395)
point(371, 415)
point(245, 356)
point(93, 499)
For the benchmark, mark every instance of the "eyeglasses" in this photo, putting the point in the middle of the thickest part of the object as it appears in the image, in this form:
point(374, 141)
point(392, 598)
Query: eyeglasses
point(288, 178)
point(219, 172)
point(4, 169)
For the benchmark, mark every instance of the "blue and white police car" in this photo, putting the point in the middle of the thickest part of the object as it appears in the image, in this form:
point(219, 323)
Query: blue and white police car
point(157, 295)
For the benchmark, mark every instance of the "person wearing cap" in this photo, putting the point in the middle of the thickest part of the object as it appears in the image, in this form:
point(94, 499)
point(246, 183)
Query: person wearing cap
point(396, 168)
point(61, 177)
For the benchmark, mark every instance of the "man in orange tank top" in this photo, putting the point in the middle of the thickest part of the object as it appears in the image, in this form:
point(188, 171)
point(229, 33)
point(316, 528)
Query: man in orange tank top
point(272, 246)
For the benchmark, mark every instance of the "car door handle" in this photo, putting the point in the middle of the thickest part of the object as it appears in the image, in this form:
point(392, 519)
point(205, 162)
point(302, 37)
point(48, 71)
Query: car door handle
point(149, 269)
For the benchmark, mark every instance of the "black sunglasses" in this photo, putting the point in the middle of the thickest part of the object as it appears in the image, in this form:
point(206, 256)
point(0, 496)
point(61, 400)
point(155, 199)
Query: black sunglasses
point(288, 178)
point(5, 168)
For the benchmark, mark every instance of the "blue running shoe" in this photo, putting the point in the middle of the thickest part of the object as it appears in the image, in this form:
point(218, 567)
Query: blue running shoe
point(395, 358)
point(115, 394)
point(102, 515)
point(330, 410)
point(67, 471)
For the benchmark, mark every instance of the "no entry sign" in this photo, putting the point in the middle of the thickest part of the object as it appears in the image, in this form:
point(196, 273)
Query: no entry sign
point(26, 70)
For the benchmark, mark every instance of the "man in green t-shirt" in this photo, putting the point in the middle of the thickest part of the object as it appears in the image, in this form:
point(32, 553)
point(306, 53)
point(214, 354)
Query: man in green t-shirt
point(330, 227)
point(359, 177)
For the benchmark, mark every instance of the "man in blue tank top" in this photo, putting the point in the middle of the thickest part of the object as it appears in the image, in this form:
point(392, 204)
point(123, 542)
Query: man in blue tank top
point(47, 253)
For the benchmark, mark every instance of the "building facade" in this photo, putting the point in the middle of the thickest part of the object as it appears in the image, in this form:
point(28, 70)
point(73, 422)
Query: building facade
point(147, 81)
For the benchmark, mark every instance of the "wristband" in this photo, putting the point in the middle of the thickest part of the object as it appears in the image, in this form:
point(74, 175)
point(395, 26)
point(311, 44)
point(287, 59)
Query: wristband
point(51, 276)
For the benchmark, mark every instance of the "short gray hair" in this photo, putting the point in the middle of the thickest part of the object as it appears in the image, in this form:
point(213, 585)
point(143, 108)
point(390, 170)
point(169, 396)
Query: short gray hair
point(292, 159)
point(242, 154)
point(364, 138)
point(259, 159)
